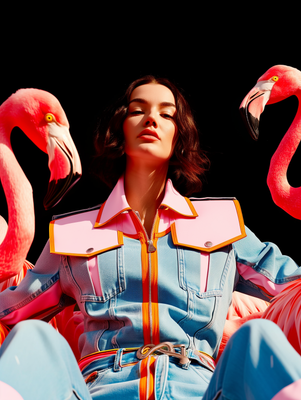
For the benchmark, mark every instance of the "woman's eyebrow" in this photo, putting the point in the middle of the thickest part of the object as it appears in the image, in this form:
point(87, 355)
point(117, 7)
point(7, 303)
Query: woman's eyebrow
point(163, 104)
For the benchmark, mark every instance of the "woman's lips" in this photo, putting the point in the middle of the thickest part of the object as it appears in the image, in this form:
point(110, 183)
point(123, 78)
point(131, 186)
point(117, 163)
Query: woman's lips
point(148, 134)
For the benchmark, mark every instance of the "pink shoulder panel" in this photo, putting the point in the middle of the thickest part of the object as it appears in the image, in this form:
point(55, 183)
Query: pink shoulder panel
point(215, 224)
point(76, 235)
point(219, 222)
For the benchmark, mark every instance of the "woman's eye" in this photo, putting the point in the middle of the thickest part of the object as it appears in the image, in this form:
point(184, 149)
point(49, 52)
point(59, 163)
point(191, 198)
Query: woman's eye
point(136, 112)
point(167, 116)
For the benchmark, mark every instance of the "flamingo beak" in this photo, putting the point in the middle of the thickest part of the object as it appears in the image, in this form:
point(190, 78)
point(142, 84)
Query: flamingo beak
point(64, 164)
point(253, 105)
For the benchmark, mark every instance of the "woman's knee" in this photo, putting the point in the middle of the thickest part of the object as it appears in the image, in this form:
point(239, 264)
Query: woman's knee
point(253, 335)
point(32, 333)
point(257, 328)
point(32, 325)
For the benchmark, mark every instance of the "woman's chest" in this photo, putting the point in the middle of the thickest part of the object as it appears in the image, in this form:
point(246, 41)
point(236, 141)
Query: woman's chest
point(131, 274)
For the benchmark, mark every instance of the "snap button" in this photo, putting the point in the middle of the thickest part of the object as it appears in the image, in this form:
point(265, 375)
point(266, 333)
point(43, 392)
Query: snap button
point(90, 249)
point(208, 244)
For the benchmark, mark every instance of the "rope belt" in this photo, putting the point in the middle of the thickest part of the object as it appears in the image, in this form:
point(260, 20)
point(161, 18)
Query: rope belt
point(165, 348)
point(119, 358)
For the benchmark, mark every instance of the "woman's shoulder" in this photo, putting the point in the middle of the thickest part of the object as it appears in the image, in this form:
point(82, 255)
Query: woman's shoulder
point(216, 222)
point(75, 234)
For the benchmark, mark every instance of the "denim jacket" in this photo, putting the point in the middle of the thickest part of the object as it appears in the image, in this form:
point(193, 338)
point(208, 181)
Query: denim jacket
point(133, 289)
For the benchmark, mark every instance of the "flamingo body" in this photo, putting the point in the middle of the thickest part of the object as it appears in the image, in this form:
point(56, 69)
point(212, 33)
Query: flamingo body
point(278, 83)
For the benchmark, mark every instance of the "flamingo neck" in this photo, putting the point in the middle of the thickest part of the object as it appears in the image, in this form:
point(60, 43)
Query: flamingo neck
point(18, 193)
point(284, 195)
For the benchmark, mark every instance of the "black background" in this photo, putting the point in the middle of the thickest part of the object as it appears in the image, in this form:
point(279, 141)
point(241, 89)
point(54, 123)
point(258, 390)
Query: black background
point(86, 57)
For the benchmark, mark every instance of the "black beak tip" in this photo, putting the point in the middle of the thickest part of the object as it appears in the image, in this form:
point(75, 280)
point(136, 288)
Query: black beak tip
point(57, 190)
point(251, 123)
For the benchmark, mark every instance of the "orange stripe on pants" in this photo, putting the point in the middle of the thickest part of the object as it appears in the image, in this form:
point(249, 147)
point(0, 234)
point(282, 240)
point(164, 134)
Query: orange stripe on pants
point(147, 378)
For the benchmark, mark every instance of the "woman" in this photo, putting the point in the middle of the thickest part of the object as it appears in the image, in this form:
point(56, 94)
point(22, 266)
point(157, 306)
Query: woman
point(149, 268)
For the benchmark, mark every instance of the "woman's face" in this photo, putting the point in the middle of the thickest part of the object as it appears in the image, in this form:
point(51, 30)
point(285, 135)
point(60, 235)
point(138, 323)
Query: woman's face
point(150, 128)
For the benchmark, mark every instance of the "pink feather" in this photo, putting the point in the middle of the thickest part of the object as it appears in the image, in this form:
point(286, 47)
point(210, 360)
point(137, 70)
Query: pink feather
point(285, 311)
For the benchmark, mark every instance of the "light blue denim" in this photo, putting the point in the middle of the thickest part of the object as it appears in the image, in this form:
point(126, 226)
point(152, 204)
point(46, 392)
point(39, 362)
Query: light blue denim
point(186, 315)
point(190, 312)
point(256, 364)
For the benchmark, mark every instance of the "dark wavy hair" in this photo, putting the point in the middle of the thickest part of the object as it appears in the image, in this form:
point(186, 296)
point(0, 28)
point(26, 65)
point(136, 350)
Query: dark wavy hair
point(188, 162)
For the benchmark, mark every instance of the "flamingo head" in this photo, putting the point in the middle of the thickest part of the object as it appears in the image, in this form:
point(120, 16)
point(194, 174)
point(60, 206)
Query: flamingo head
point(40, 116)
point(278, 83)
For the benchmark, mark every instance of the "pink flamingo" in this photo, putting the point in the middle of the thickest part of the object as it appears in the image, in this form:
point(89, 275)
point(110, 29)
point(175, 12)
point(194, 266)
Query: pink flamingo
point(242, 309)
point(278, 83)
point(40, 116)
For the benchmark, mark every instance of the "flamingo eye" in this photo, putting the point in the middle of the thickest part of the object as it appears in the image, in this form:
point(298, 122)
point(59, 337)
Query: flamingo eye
point(49, 117)
point(275, 78)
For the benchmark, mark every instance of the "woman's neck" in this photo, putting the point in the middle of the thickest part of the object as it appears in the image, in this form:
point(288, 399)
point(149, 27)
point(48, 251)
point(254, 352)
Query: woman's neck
point(144, 189)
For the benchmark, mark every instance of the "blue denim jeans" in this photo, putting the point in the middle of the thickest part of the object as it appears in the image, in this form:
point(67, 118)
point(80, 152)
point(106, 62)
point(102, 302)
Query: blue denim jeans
point(256, 364)
point(37, 362)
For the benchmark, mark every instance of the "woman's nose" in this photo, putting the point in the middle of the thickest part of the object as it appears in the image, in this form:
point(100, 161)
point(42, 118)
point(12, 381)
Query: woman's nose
point(150, 121)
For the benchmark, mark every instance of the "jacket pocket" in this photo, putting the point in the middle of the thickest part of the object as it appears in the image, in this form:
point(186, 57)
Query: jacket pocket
point(202, 273)
point(107, 276)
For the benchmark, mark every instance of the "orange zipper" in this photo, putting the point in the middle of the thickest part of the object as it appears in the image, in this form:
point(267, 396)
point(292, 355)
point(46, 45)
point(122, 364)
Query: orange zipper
point(149, 262)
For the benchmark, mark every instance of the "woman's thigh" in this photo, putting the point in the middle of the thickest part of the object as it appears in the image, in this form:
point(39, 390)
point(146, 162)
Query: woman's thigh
point(38, 363)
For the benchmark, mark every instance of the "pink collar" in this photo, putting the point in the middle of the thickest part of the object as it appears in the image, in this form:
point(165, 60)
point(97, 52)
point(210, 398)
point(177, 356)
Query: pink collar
point(117, 203)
